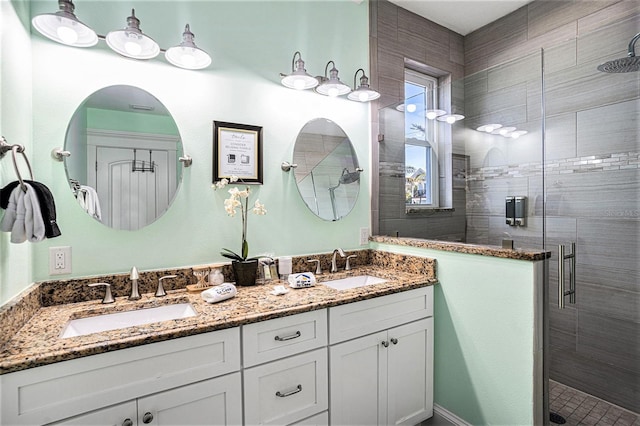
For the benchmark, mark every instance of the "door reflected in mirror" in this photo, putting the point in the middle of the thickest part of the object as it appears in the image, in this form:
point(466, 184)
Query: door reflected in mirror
point(328, 174)
point(123, 169)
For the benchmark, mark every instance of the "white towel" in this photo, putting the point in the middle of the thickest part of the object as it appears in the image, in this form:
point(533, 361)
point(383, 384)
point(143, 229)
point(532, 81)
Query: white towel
point(23, 216)
point(10, 213)
point(88, 199)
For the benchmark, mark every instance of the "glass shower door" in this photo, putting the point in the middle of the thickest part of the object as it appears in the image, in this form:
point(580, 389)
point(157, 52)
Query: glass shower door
point(592, 188)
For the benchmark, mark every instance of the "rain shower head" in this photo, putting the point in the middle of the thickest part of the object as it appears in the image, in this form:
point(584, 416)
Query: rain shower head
point(348, 177)
point(629, 64)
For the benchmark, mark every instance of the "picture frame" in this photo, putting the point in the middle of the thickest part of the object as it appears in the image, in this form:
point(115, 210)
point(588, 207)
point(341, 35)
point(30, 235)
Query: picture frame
point(237, 151)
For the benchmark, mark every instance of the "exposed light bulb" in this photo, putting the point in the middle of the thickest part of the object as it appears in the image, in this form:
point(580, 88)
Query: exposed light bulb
point(431, 115)
point(451, 120)
point(489, 129)
point(333, 92)
point(67, 35)
point(411, 107)
point(363, 97)
point(133, 48)
point(299, 84)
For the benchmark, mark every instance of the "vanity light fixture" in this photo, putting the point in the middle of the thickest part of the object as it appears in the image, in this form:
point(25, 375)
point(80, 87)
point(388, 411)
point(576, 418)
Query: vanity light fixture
point(186, 54)
point(131, 41)
point(489, 128)
point(451, 118)
point(518, 133)
point(363, 93)
point(434, 113)
point(64, 27)
point(298, 79)
point(505, 131)
point(331, 86)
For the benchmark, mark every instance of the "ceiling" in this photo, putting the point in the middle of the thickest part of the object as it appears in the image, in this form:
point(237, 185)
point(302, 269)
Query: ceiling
point(461, 16)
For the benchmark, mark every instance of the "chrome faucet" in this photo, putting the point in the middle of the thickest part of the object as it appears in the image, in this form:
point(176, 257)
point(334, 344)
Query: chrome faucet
point(135, 295)
point(108, 297)
point(334, 266)
point(160, 292)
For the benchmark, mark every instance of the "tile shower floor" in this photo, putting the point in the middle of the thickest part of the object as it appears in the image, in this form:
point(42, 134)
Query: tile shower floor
point(579, 408)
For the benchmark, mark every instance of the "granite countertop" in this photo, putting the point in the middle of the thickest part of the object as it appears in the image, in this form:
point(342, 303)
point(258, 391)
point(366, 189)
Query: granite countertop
point(38, 343)
point(481, 250)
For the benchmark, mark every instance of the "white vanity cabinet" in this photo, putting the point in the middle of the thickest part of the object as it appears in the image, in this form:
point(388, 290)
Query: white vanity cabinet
point(382, 360)
point(157, 374)
point(210, 402)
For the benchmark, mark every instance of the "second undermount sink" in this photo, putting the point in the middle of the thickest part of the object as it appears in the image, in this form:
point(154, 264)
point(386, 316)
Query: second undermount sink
point(353, 282)
point(114, 321)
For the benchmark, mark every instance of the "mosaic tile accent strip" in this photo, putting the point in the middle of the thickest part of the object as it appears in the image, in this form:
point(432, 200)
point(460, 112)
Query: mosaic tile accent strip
point(591, 163)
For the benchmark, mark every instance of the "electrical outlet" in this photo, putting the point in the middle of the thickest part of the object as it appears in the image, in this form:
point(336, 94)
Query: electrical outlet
point(364, 236)
point(59, 260)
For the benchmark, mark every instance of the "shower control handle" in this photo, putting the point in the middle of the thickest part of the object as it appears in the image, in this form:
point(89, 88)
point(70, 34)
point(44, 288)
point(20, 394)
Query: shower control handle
point(572, 275)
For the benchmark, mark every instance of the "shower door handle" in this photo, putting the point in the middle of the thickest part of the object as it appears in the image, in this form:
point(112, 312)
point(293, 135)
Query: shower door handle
point(572, 275)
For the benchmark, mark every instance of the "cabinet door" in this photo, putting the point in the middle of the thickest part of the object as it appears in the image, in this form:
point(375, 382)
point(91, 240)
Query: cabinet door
point(410, 373)
point(211, 402)
point(118, 415)
point(358, 381)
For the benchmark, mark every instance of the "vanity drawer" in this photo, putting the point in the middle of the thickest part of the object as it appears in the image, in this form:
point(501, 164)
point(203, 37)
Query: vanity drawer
point(369, 316)
point(286, 391)
point(282, 337)
point(46, 394)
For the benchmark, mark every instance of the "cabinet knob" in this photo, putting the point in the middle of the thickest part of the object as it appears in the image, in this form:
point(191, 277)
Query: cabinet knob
point(385, 343)
point(127, 422)
point(147, 418)
point(394, 340)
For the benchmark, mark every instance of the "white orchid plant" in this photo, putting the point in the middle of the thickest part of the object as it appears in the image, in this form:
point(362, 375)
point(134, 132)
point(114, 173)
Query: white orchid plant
point(239, 199)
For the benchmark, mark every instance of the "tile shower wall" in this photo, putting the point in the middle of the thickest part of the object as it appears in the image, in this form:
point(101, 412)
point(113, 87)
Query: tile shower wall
point(397, 35)
point(592, 175)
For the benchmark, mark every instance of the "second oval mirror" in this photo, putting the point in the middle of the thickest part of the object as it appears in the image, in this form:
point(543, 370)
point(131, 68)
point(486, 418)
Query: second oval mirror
point(327, 172)
point(123, 168)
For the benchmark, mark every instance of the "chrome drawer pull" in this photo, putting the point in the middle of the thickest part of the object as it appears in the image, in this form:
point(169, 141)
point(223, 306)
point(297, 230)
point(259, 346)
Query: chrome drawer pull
point(292, 336)
point(289, 393)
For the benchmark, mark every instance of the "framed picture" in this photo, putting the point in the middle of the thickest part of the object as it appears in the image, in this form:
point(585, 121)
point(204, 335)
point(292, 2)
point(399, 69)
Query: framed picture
point(237, 151)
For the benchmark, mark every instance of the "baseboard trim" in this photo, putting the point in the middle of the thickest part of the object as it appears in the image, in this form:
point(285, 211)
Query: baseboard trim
point(449, 416)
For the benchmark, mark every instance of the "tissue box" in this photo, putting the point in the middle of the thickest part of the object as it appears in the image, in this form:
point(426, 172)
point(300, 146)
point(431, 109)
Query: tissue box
point(303, 280)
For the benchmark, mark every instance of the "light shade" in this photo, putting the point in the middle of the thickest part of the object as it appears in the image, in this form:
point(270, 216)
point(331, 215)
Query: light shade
point(332, 86)
point(298, 79)
point(488, 128)
point(63, 27)
point(363, 93)
point(131, 42)
point(186, 54)
point(450, 118)
point(432, 114)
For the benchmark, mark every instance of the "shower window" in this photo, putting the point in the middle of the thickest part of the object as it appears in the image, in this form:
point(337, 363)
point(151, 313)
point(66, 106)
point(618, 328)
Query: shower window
point(421, 145)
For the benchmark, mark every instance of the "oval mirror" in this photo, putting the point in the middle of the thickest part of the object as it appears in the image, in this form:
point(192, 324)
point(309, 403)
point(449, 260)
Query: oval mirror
point(328, 174)
point(123, 168)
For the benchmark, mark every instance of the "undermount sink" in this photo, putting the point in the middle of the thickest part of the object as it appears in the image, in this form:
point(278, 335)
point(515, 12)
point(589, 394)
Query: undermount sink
point(106, 322)
point(354, 282)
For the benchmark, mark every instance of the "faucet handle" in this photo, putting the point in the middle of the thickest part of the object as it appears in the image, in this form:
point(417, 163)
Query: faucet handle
point(160, 291)
point(108, 297)
point(347, 267)
point(318, 268)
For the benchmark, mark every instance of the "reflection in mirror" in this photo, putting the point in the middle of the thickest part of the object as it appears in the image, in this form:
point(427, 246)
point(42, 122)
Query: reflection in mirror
point(124, 146)
point(328, 175)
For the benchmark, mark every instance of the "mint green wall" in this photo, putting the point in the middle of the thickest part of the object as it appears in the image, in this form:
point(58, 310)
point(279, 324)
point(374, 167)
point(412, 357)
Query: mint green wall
point(250, 43)
point(130, 122)
point(485, 337)
point(15, 126)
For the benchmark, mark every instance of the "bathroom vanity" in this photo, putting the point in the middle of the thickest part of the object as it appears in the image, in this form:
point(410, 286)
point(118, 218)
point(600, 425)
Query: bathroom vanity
point(305, 357)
